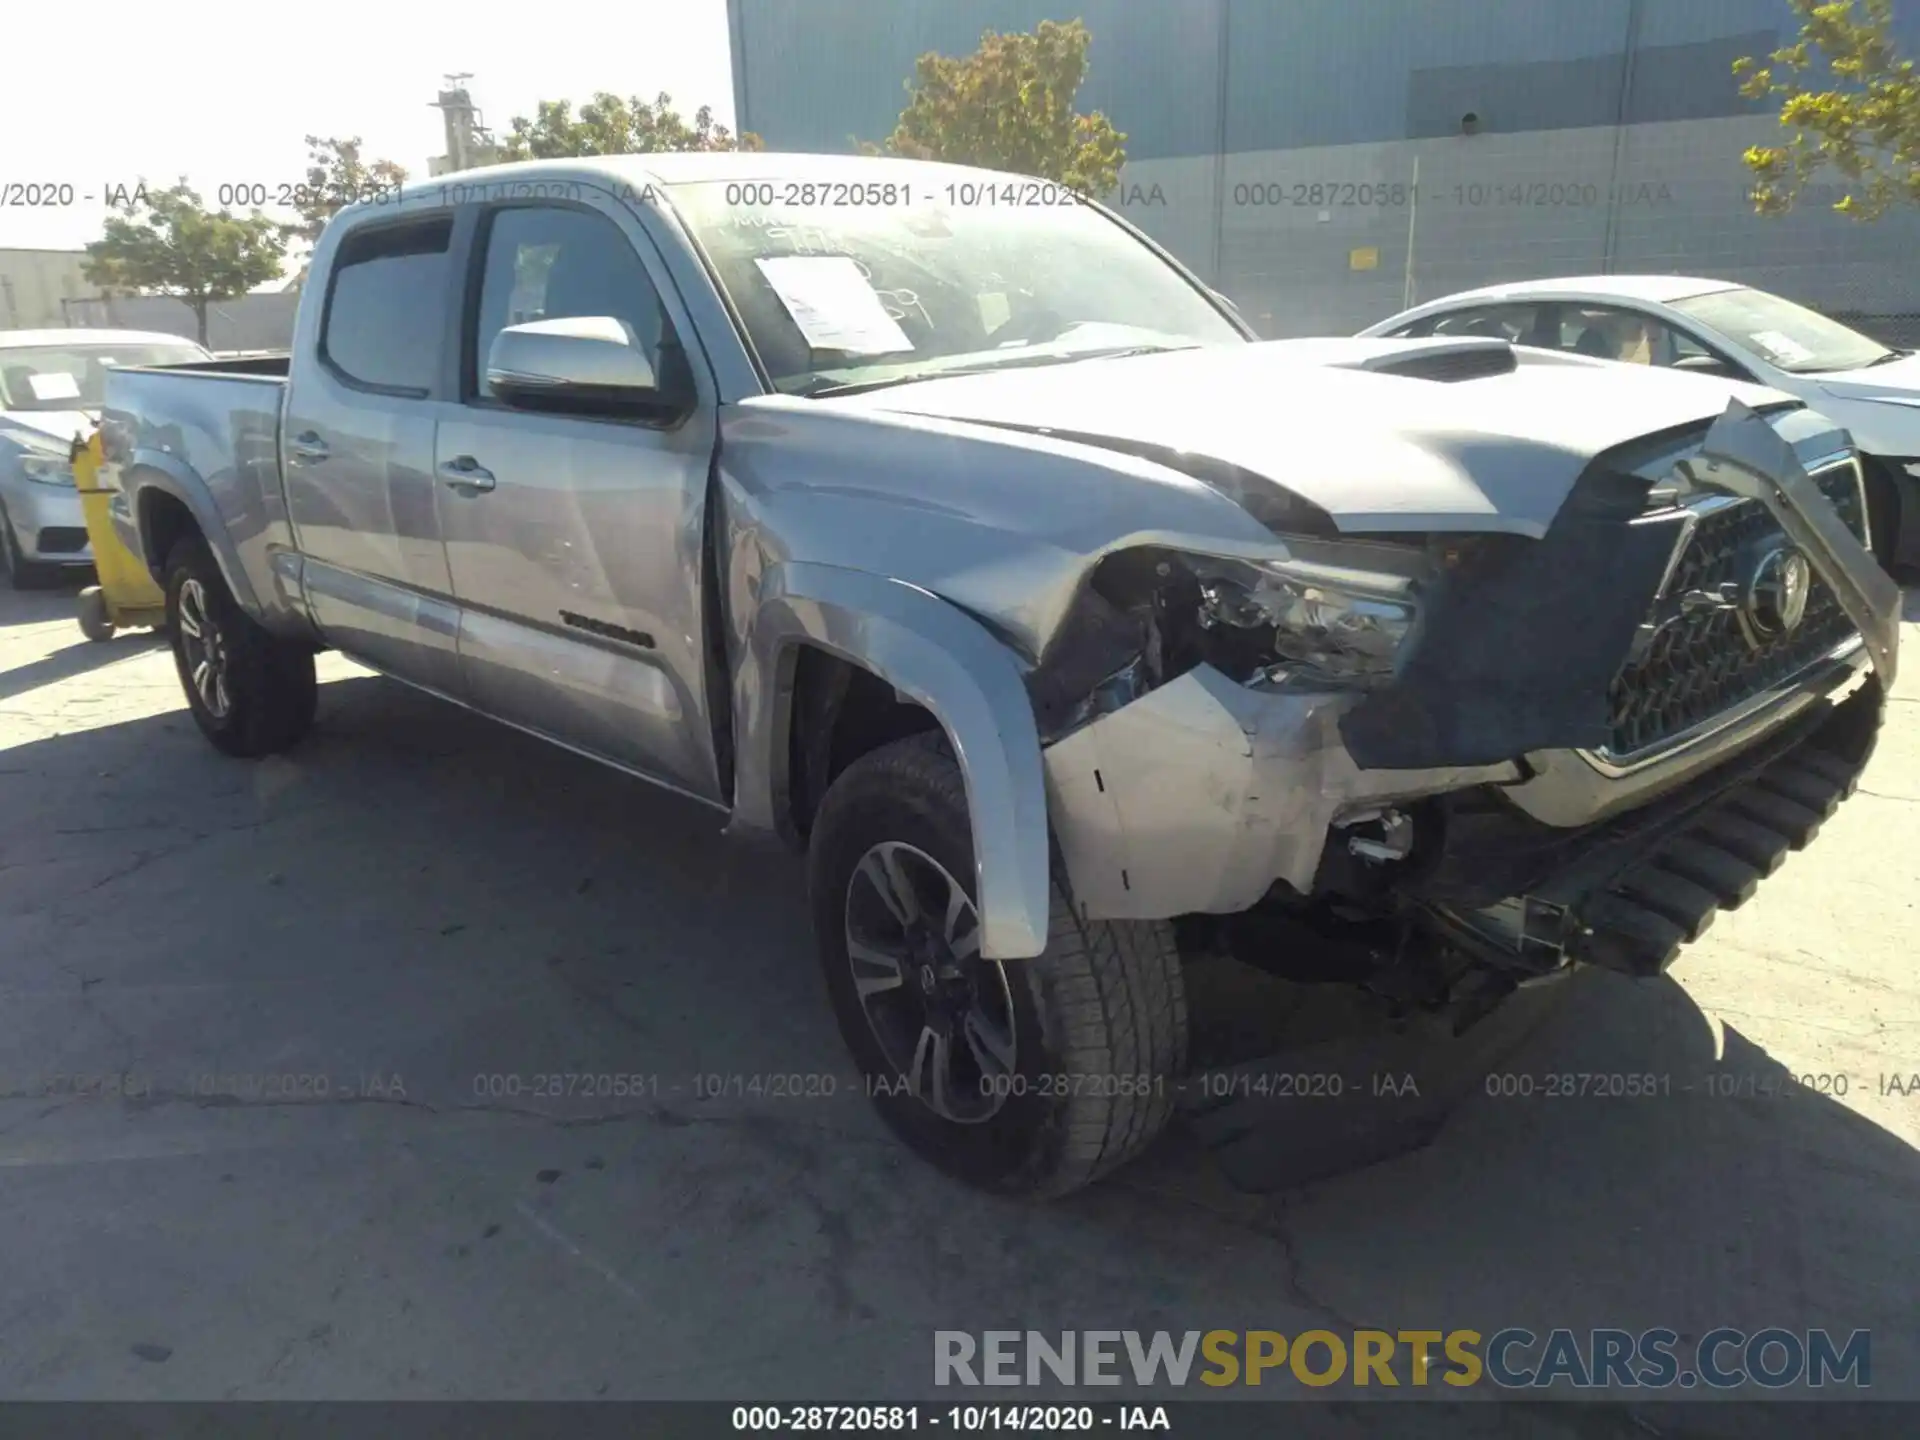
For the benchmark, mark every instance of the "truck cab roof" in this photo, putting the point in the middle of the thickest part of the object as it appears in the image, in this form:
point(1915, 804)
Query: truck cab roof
point(685, 167)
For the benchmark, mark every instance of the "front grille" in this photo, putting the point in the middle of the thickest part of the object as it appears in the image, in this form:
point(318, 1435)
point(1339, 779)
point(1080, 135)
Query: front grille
point(1703, 664)
point(62, 540)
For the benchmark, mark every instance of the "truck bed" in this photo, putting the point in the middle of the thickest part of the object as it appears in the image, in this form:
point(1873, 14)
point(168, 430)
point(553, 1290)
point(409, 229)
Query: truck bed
point(271, 365)
point(214, 428)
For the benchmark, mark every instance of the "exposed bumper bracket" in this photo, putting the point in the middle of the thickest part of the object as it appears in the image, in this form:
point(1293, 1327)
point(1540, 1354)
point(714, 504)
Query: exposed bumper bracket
point(1639, 921)
point(1745, 456)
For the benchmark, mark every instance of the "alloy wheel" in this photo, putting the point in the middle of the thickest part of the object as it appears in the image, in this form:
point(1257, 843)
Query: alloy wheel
point(941, 1012)
point(203, 650)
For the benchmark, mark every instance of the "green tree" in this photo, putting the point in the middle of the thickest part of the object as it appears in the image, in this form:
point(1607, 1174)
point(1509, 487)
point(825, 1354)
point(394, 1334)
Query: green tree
point(336, 178)
point(1009, 106)
point(609, 125)
point(169, 243)
point(1850, 101)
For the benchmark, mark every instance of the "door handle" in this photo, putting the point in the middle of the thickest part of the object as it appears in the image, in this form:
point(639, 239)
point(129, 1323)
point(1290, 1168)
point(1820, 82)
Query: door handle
point(307, 448)
point(467, 474)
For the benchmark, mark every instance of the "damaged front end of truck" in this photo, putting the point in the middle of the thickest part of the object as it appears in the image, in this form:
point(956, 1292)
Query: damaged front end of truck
point(1447, 766)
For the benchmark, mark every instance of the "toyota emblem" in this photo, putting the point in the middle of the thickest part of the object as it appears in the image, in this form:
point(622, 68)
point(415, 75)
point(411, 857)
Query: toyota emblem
point(1776, 599)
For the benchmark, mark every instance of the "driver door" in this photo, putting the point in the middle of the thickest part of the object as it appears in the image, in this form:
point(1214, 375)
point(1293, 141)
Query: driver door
point(574, 540)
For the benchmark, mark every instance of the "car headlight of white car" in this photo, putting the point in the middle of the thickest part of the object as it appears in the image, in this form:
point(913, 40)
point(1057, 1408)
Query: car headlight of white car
point(47, 469)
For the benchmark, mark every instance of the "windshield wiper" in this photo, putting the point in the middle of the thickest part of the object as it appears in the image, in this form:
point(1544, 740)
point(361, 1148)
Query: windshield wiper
point(1883, 359)
point(816, 390)
point(856, 387)
point(1123, 352)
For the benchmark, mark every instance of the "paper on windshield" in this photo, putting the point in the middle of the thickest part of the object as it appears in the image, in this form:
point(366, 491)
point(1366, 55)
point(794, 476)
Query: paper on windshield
point(1780, 346)
point(54, 385)
point(833, 304)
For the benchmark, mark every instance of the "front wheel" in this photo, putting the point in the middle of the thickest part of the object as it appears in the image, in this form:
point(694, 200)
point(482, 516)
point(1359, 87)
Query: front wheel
point(250, 692)
point(1031, 1077)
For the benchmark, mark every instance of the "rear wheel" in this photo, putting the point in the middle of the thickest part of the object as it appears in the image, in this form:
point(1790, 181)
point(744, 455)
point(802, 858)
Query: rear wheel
point(1033, 1076)
point(250, 692)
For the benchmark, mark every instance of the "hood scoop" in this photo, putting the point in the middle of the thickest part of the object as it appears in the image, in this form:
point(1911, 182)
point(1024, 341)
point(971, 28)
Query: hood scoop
point(1447, 361)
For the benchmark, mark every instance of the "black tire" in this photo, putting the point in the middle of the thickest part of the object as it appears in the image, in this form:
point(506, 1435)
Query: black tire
point(1098, 1021)
point(269, 687)
point(22, 573)
point(95, 623)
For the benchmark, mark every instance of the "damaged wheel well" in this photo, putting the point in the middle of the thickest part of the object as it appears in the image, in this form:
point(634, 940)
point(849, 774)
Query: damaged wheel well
point(839, 713)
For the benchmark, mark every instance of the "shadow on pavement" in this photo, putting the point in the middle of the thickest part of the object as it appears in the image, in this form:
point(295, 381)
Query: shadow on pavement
point(76, 659)
point(543, 913)
point(37, 606)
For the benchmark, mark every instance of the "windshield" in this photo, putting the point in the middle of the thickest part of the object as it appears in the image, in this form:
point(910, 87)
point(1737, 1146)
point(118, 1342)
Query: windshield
point(1783, 333)
point(934, 280)
point(74, 377)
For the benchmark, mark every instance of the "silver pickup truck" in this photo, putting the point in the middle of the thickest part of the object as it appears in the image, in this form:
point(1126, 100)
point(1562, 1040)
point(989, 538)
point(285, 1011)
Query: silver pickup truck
point(938, 522)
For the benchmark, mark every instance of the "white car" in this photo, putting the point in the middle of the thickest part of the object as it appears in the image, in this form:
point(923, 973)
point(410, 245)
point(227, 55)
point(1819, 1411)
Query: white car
point(50, 387)
point(1719, 328)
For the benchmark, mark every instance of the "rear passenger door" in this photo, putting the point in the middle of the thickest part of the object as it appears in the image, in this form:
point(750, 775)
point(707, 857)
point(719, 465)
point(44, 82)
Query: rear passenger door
point(357, 449)
point(577, 559)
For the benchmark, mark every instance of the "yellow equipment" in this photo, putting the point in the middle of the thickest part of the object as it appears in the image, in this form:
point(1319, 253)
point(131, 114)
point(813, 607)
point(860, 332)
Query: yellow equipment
point(126, 596)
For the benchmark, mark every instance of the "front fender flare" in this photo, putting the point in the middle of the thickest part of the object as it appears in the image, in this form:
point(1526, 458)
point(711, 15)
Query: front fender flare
point(157, 471)
point(938, 656)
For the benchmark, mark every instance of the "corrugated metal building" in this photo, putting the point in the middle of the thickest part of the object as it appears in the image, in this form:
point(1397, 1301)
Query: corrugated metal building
point(36, 285)
point(259, 321)
point(45, 289)
point(1273, 144)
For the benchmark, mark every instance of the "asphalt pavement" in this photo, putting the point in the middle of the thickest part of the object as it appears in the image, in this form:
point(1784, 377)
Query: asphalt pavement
point(431, 1062)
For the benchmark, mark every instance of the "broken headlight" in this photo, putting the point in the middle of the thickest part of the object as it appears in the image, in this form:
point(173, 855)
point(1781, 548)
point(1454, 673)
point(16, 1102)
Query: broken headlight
point(1325, 622)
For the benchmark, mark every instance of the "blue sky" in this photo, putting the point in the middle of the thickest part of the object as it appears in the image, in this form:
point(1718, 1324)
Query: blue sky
point(222, 91)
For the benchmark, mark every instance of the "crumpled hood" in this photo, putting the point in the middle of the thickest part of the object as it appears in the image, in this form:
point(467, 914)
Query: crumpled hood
point(1897, 381)
point(1375, 451)
point(36, 428)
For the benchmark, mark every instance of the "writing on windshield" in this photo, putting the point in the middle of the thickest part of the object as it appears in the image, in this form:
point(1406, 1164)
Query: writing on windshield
point(959, 285)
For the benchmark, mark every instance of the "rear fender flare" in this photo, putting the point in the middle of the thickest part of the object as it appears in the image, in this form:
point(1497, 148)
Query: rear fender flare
point(154, 472)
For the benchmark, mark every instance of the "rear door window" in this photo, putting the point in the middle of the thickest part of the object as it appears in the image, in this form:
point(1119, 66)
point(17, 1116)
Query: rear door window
point(386, 317)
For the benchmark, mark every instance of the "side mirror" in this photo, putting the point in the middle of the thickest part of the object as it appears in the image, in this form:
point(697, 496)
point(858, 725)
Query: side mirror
point(585, 362)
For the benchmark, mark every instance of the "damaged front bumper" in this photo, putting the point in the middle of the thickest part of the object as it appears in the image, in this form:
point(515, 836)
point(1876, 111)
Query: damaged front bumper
point(1627, 892)
point(1198, 796)
point(1209, 796)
